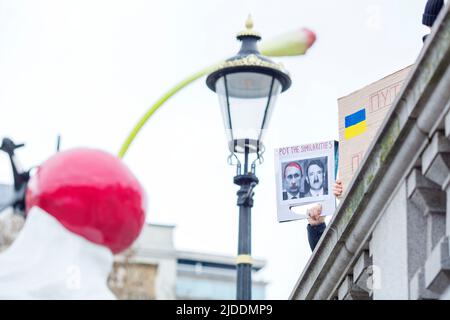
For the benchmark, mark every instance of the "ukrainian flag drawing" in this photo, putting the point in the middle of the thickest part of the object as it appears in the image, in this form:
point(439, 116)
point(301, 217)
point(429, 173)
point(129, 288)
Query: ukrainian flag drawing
point(355, 124)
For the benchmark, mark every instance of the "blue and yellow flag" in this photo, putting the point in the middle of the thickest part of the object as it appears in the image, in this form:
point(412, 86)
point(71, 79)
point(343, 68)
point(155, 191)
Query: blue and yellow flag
point(355, 124)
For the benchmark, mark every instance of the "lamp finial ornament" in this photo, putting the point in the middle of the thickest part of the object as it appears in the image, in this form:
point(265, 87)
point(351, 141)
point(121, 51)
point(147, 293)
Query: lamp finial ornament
point(249, 22)
point(248, 32)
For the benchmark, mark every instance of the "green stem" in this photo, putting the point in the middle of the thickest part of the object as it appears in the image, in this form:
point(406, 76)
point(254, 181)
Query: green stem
point(158, 104)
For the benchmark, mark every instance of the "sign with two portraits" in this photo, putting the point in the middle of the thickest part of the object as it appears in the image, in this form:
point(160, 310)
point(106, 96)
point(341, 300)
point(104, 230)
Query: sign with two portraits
point(305, 176)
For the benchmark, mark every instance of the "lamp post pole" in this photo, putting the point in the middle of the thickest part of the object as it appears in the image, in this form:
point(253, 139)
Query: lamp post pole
point(247, 182)
point(247, 85)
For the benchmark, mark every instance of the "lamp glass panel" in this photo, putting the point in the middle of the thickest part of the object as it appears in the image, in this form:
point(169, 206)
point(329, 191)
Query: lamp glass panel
point(247, 100)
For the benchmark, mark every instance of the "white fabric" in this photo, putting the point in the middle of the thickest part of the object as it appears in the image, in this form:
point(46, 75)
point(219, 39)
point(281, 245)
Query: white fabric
point(47, 261)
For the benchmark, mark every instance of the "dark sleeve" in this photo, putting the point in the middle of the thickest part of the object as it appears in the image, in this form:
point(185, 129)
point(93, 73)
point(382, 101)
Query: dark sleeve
point(432, 9)
point(314, 234)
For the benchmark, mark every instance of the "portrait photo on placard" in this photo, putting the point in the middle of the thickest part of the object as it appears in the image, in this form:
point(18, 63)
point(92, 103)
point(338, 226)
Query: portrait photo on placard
point(305, 178)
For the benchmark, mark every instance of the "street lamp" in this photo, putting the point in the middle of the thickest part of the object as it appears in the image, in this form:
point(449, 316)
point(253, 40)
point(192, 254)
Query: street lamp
point(248, 85)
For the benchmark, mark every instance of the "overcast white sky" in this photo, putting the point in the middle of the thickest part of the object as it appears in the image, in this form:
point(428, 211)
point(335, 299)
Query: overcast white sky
point(88, 69)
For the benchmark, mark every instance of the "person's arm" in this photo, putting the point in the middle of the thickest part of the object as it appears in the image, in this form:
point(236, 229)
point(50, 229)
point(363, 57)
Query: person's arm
point(430, 14)
point(314, 233)
point(316, 223)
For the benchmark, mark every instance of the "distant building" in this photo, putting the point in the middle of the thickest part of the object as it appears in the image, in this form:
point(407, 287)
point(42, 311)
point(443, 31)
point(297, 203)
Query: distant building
point(148, 269)
point(154, 269)
point(390, 235)
point(205, 276)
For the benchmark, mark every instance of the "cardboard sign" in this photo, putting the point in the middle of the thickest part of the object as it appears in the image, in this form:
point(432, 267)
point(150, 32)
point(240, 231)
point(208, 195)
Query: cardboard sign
point(305, 176)
point(360, 116)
